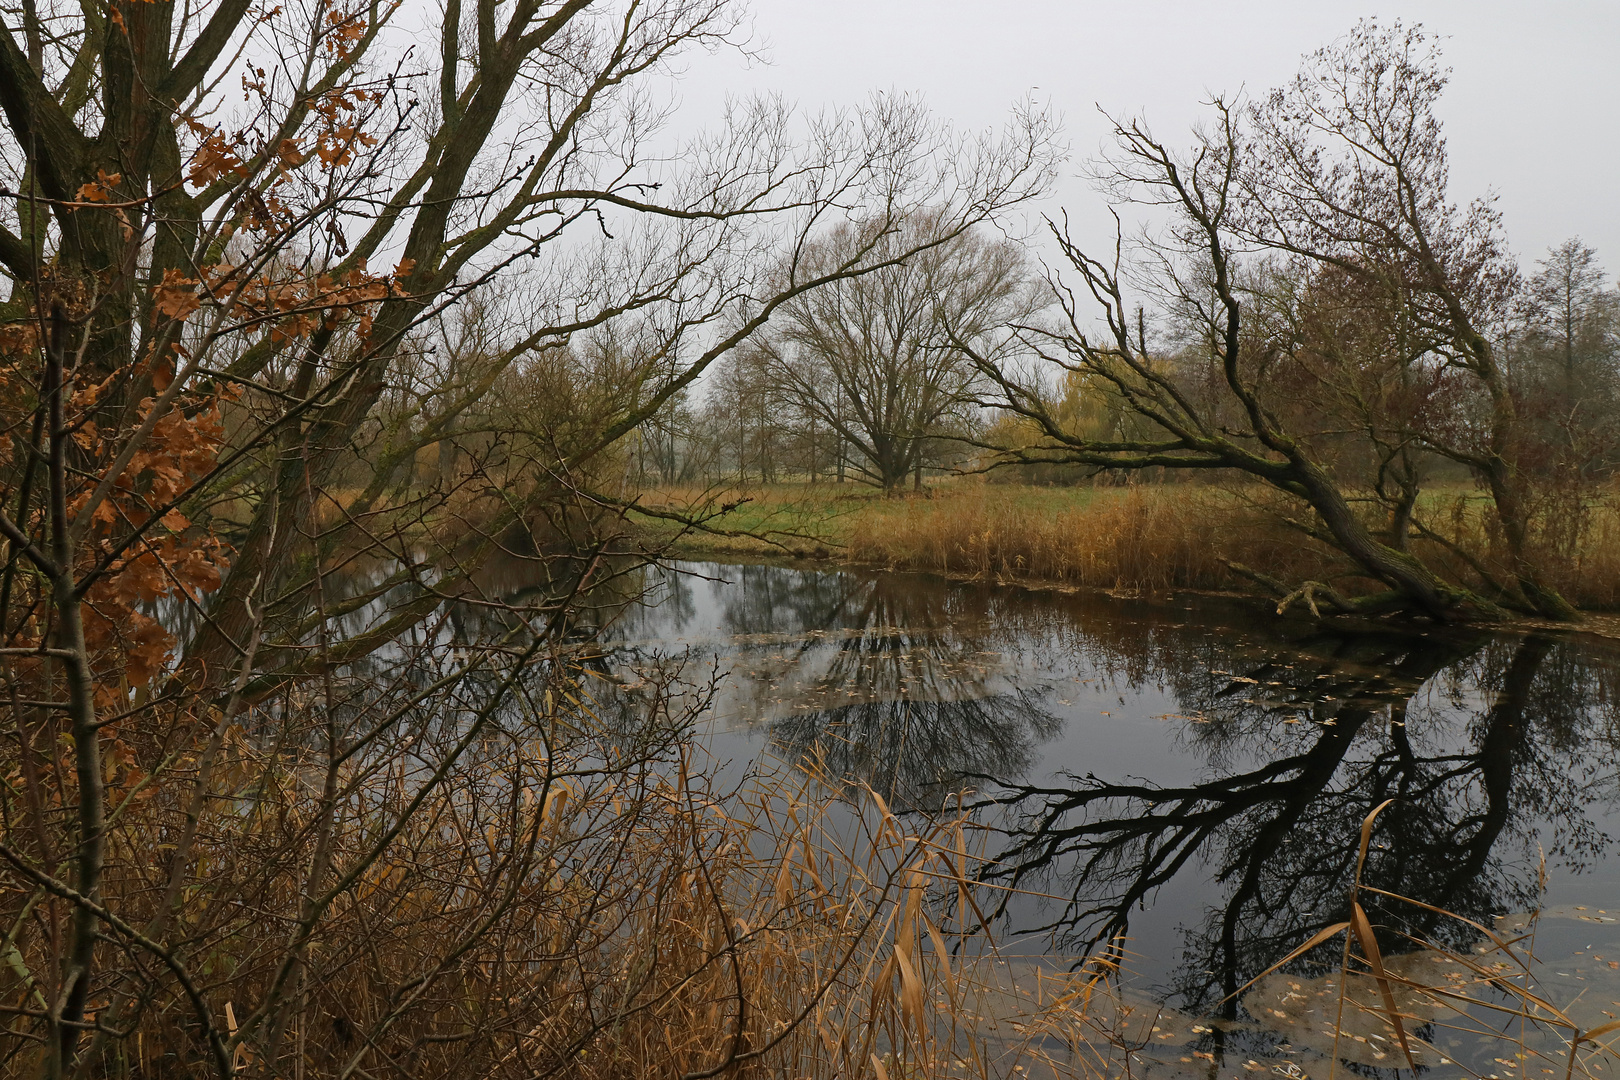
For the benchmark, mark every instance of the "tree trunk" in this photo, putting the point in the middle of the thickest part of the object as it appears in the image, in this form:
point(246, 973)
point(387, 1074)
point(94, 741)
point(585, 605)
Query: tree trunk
point(1511, 514)
point(1400, 571)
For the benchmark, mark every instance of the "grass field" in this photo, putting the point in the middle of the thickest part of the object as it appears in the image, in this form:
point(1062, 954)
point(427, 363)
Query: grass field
point(798, 518)
point(1134, 538)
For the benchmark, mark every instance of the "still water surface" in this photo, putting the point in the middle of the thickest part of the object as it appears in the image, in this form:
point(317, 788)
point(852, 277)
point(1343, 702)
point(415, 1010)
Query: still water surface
point(1189, 773)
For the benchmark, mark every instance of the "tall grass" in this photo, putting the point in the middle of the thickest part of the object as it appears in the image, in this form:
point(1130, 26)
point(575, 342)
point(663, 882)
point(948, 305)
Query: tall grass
point(568, 912)
point(1574, 539)
point(1129, 538)
point(1152, 538)
point(579, 900)
point(1592, 579)
point(1149, 538)
point(1135, 540)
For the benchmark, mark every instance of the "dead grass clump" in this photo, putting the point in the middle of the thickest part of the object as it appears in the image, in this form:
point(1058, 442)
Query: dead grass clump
point(1140, 539)
point(1575, 542)
point(1152, 538)
point(1593, 580)
point(1136, 539)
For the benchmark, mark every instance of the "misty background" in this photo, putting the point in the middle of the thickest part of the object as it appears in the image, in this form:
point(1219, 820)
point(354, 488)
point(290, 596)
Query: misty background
point(1530, 114)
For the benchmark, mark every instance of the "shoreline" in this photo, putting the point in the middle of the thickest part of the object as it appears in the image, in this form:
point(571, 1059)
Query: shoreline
point(1599, 625)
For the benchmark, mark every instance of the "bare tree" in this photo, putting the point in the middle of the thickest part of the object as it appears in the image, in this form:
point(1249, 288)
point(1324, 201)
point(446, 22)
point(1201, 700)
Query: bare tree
point(871, 359)
point(1566, 362)
point(1347, 167)
point(1571, 303)
point(1320, 285)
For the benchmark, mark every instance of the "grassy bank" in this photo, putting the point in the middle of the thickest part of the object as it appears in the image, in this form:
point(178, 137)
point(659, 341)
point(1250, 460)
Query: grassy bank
point(1145, 538)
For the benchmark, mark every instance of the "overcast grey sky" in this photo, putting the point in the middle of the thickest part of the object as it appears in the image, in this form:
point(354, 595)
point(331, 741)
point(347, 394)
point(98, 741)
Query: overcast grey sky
point(1533, 109)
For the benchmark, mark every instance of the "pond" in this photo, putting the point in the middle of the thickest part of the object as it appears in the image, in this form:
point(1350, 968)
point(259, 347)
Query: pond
point(1191, 773)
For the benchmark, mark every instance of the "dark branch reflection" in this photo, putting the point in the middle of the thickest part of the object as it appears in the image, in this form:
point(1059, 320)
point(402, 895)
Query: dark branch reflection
point(1471, 735)
point(1281, 737)
point(917, 753)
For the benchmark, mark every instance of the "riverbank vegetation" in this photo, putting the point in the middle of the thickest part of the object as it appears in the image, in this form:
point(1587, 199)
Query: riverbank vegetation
point(1138, 538)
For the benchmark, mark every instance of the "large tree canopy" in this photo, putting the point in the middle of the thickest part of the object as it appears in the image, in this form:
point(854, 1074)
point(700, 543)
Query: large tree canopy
point(870, 357)
point(1331, 320)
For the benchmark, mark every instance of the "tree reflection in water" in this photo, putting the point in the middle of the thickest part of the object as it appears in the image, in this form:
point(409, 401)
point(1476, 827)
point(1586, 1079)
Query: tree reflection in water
point(917, 753)
point(895, 686)
point(1283, 736)
point(1481, 740)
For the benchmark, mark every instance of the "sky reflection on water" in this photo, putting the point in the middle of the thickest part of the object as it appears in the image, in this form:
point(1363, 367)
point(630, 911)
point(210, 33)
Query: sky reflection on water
point(1190, 773)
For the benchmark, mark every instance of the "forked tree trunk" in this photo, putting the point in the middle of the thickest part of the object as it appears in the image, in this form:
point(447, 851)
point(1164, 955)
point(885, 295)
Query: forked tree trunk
point(1405, 575)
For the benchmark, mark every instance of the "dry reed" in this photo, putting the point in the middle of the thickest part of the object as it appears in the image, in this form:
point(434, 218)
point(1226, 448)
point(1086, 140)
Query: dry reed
point(563, 911)
point(1140, 539)
point(1152, 538)
point(575, 900)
